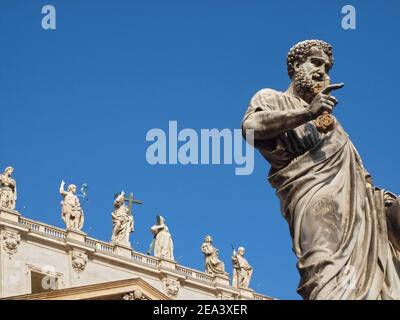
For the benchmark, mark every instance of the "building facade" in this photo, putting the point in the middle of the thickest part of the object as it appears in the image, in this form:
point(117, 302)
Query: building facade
point(39, 261)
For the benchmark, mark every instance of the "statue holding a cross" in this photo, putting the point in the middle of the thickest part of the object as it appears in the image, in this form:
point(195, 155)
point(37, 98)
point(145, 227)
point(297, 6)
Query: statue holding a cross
point(123, 222)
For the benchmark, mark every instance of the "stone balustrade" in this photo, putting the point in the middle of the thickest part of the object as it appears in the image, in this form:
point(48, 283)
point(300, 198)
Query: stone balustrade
point(139, 260)
point(35, 226)
point(194, 274)
point(102, 246)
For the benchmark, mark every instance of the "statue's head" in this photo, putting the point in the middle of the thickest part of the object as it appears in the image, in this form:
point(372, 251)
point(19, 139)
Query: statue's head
point(208, 239)
point(241, 251)
point(72, 188)
point(9, 171)
point(309, 62)
point(119, 199)
point(160, 220)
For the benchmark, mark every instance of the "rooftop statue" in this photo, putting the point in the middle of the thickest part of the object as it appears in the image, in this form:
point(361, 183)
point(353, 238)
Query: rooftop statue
point(123, 223)
point(212, 262)
point(162, 242)
point(345, 230)
point(242, 270)
point(8, 189)
point(71, 210)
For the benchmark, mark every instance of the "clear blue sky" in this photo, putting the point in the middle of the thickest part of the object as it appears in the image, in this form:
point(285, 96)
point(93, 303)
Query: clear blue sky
point(77, 102)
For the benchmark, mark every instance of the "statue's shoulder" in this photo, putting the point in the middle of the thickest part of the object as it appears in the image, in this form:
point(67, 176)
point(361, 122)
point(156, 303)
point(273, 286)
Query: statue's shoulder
point(268, 92)
point(267, 99)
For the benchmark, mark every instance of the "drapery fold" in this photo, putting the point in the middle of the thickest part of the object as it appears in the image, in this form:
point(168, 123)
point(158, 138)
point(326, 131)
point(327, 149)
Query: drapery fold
point(338, 223)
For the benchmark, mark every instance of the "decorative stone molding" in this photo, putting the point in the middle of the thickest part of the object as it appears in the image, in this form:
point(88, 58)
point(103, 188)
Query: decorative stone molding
point(79, 261)
point(11, 240)
point(135, 295)
point(172, 287)
point(226, 296)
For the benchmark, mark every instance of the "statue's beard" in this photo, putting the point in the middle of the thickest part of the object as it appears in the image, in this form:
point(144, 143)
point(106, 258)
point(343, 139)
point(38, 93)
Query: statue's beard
point(304, 84)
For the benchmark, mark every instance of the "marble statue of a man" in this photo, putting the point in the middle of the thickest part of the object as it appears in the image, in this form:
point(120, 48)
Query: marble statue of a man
point(163, 244)
point(242, 270)
point(71, 210)
point(122, 221)
point(345, 230)
point(212, 262)
point(8, 189)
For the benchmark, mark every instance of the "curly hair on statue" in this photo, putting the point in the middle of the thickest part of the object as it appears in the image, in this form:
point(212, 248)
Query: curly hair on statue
point(300, 51)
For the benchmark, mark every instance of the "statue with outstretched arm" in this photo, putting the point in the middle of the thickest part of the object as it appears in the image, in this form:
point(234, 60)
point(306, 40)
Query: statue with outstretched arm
point(71, 210)
point(345, 231)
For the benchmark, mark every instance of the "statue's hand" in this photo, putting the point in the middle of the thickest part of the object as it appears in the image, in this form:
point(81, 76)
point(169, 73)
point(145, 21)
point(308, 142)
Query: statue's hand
point(62, 191)
point(323, 101)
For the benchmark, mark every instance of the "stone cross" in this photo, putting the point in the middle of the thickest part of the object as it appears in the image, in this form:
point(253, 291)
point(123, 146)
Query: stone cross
point(131, 201)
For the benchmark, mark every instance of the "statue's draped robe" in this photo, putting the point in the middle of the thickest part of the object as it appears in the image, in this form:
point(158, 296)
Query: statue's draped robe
point(71, 206)
point(212, 262)
point(122, 225)
point(8, 192)
point(345, 239)
point(242, 271)
point(163, 244)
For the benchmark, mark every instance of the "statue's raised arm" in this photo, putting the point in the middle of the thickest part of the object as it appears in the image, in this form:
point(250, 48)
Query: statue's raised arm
point(62, 188)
